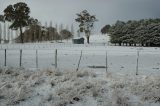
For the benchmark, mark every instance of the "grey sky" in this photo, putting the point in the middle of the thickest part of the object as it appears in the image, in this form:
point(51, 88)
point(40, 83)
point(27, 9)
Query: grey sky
point(107, 11)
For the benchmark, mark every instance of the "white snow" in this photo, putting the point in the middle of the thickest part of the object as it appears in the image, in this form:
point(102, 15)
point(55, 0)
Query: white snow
point(90, 86)
point(21, 87)
point(120, 59)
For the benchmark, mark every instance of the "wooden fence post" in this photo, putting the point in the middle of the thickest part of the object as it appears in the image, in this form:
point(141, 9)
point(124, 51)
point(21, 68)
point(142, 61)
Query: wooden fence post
point(5, 60)
point(106, 62)
point(79, 61)
point(55, 58)
point(36, 58)
point(20, 61)
point(137, 63)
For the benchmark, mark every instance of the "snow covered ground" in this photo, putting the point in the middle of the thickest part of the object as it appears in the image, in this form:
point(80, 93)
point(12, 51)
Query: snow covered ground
point(120, 59)
point(90, 86)
point(21, 87)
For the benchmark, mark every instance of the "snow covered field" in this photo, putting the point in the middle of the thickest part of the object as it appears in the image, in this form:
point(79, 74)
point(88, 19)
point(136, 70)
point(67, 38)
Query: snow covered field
point(120, 59)
point(90, 86)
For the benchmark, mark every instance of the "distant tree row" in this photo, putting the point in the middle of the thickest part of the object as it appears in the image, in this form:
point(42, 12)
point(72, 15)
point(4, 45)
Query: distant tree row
point(35, 32)
point(6, 34)
point(145, 32)
point(18, 15)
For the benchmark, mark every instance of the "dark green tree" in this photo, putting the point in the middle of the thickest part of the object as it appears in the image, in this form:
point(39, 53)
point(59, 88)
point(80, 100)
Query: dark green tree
point(86, 23)
point(1, 18)
point(105, 29)
point(18, 14)
point(65, 34)
point(144, 32)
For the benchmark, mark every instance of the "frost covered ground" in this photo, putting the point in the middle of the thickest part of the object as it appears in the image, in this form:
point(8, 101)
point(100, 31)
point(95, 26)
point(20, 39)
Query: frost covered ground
point(90, 86)
point(120, 59)
point(21, 87)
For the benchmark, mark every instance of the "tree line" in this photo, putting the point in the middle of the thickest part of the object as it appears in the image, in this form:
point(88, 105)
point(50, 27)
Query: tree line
point(144, 32)
point(36, 33)
point(18, 15)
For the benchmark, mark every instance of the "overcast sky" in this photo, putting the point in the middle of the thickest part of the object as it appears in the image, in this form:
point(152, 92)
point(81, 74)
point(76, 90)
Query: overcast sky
point(107, 11)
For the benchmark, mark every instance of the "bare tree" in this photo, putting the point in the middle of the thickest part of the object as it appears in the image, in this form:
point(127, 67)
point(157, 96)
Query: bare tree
point(4, 32)
point(67, 28)
point(60, 29)
point(11, 36)
point(8, 33)
point(46, 25)
point(40, 33)
point(72, 29)
point(50, 35)
point(56, 26)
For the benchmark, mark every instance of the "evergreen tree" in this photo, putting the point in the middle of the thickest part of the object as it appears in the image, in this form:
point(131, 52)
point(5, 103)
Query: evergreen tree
point(145, 32)
point(86, 23)
point(18, 14)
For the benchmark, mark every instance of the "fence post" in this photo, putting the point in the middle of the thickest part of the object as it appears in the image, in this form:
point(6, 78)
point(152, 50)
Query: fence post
point(106, 62)
point(20, 61)
point(137, 63)
point(36, 58)
point(5, 60)
point(79, 61)
point(55, 58)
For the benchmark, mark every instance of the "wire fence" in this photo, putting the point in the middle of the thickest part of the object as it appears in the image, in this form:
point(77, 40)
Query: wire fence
point(133, 61)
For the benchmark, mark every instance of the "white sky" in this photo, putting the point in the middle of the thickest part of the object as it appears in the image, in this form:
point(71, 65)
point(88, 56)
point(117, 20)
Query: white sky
point(107, 11)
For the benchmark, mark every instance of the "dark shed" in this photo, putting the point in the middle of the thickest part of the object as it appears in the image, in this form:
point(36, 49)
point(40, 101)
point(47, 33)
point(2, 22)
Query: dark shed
point(78, 40)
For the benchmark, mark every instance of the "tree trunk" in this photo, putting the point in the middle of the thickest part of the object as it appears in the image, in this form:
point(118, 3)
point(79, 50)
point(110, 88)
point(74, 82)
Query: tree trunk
point(21, 34)
point(88, 39)
point(142, 44)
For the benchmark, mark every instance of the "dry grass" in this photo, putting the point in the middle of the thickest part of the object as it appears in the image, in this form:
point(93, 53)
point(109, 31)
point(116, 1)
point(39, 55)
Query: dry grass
point(68, 88)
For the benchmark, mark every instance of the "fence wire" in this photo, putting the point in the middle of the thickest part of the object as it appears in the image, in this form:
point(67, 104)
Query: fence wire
point(117, 61)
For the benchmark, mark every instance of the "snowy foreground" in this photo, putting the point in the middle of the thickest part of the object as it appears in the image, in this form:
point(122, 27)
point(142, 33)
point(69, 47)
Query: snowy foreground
point(40, 84)
point(22, 87)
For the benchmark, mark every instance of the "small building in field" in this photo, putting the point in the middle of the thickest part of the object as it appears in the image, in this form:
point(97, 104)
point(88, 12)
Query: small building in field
point(78, 40)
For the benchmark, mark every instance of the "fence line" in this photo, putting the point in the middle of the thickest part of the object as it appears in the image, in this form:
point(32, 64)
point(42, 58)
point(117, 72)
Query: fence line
point(63, 57)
